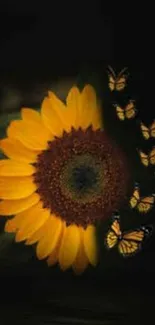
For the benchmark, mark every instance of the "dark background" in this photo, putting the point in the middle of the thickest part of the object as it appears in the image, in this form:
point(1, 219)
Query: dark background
point(50, 45)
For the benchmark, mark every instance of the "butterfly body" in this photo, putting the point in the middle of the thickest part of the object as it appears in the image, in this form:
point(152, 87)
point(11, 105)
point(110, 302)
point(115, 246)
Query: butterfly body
point(117, 82)
point(142, 204)
point(128, 243)
point(148, 132)
point(128, 112)
point(120, 237)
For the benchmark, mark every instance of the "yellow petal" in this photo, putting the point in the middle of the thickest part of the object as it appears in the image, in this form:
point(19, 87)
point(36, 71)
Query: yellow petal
point(53, 257)
point(17, 187)
point(55, 102)
point(73, 106)
point(90, 112)
point(50, 239)
point(37, 235)
point(50, 111)
point(32, 220)
point(29, 114)
point(10, 226)
point(23, 219)
point(90, 244)
point(14, 224)
point(32, 135)
point(15, 150)
point(14, 168)
point(11, 207)
point(81, 262)
point(69, 246)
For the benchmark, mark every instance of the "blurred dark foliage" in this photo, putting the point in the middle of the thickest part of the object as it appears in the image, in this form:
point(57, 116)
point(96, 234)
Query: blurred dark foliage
point(48, 45)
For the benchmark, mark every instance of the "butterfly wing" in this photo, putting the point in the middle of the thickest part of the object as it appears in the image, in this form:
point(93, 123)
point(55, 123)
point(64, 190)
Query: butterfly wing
point(135, 198)
point(144, 158)
point(132, 241)
point(146, 204)
point(116, 226)
point(121, 83)
point(152, 130)
point(121, 80)
point(145, 131)
point(117, 83)
point(111, 83)
point(130, 111)
point(127, 248)
point(111, 239)
point(113, 234)
point(112, 78)
point(152, 156)
point(120, 113)
point(136, 235)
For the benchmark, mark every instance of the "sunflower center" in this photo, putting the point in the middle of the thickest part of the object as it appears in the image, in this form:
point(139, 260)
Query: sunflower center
point(82, 177)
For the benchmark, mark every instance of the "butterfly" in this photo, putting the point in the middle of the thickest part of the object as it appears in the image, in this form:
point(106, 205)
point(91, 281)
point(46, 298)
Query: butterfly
point(148, 132)
point(147, 159)
point(118, 82)
point(142, 204)
point(129, 242)
point(128, 112)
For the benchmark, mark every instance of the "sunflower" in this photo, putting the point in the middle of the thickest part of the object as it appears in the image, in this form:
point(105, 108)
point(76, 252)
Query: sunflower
point(62, 176)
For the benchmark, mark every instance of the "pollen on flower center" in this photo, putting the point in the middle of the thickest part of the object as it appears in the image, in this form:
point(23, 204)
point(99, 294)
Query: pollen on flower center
point(82, 177)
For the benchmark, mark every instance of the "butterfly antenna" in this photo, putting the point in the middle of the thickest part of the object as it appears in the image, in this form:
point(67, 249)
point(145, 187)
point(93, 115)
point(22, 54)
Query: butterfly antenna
point(122, 71)
point(112, 70)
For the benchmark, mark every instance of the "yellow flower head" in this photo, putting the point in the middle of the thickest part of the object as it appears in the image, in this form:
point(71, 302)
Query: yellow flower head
point(63, 175)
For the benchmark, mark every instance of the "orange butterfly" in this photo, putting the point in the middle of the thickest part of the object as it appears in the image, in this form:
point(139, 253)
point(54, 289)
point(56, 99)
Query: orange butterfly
point(148, 132)
point(147, 159)
point(142, 204)
point(129, 242)
point(117, 82)
point(128, 112)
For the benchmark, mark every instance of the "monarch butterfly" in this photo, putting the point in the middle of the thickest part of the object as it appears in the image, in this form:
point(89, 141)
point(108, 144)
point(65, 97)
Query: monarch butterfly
point(147, 159)
point(142, 204)
point(128, 112)
point(148, 132)
point(128, 243)
point(117, 82)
